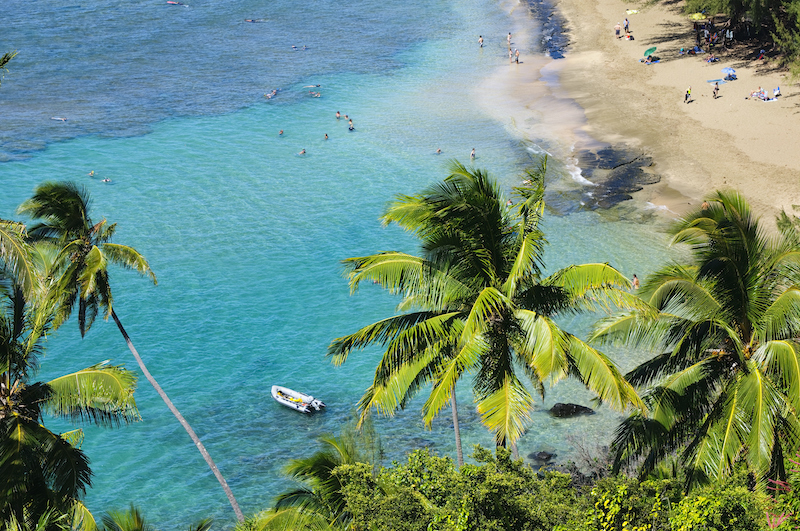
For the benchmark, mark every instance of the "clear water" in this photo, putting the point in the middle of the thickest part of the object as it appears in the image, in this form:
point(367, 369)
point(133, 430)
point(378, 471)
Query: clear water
point(246, 236)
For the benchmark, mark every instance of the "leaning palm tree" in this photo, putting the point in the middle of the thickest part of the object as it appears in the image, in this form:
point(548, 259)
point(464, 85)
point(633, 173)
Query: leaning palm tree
point(43, 474)
point(723, 387)
point(477, 301)
point(83, 280)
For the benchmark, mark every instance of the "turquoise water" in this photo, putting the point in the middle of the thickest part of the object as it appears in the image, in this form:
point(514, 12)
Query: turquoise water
point(244, 235)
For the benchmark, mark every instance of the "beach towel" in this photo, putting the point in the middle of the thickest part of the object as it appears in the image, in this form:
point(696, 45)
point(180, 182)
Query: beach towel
point(631, 11)
point(720, 81)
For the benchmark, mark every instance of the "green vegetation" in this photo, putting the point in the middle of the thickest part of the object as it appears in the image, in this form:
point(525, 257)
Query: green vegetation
point(43, 475)
point(81, 275)
point(710, 438)
point(476, 302)
point(724, 386)
point(775, 19)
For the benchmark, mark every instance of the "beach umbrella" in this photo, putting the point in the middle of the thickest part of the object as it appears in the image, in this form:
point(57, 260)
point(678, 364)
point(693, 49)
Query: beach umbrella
point(728, 70)
point(649, 51)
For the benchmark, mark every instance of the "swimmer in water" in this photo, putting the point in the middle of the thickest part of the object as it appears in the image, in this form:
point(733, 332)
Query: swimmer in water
point(338, 115)
point(106, 180)
point(294, 47)
point(326, 136)
point(91, 173)
point(59, 118)
point(311, 86)
point(472, 155)
point(280, 133)
point(439, 151)
point(302, 152)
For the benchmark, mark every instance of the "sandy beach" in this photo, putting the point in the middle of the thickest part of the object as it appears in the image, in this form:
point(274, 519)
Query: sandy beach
point(699, 147)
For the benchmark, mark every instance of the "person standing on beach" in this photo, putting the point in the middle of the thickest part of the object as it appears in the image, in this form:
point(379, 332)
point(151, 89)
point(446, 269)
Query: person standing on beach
point(480, 40)
point(688, 97)
point(616, 30)
point(716, 89)
point(509, 39)
point(627, 26)
point(516, 55)
point(510, 56)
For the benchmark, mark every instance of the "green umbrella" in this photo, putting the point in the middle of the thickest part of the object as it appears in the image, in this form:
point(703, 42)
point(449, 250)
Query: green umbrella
point(649, 51)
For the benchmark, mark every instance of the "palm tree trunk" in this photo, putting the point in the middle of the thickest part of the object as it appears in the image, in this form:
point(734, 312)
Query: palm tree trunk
point(459, 453)
point(186, 426)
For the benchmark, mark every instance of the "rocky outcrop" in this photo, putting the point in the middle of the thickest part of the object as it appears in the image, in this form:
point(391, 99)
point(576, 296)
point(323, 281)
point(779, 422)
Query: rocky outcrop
point(570, 410)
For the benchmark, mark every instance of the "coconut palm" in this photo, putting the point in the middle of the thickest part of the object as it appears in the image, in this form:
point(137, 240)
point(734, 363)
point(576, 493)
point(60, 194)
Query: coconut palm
point(133, 520)
point(477, 301)
point(43, 474)
point(723, 387)
point(83, 280)
point(321, 492)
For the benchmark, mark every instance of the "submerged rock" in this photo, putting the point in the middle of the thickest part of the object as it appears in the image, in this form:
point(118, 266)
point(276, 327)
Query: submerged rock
point(570, 410)
point(541, 456)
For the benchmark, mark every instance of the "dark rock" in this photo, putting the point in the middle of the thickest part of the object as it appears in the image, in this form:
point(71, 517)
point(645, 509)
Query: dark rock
point(542, 457)
point(570, 410)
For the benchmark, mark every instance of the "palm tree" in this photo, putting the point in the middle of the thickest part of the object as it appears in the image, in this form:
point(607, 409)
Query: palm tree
point(43, 474)
point(133, 520)
point(724, 384)
point(83, 280)
point(322, 490)
point(477, 301)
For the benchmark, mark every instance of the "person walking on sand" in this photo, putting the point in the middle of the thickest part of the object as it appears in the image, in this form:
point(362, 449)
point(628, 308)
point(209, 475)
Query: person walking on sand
point(516, 55)
point(480, 40)
point(616, 30)
point(716, 89)
point(688, 97)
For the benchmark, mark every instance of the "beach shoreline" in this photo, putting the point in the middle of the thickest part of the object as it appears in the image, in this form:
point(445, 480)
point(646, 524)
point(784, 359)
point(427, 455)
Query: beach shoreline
point(700, 147)
point(602, 94)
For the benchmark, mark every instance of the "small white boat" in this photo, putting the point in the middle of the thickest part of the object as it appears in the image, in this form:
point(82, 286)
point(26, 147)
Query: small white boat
point(295, 400)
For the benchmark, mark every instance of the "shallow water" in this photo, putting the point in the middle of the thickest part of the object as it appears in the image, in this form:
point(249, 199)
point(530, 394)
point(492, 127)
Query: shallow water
point(246, 236)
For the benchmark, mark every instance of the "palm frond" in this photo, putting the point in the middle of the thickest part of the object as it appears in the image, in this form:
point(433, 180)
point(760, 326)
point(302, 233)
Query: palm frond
point(544, 347)
point(127, 257)
point(15, 255)
point(600, 375)
point(466, 357)
point(780, 361)
point(397, 272)
point(389, 395)
point(81, 518)
point(101, 393)
point(506, 411)
point(389, 329)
